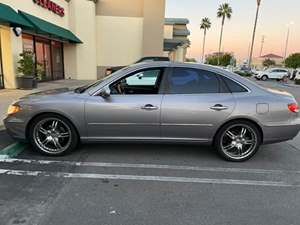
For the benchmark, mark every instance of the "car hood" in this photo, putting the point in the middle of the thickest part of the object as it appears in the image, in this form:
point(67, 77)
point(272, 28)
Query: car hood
point(48, 93)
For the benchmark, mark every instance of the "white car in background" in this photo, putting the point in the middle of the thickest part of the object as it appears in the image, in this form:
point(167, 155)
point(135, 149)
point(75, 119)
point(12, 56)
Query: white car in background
point(273, 73)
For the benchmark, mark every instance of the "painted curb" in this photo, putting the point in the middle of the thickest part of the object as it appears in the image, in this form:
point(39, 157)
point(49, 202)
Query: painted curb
point(12, 150)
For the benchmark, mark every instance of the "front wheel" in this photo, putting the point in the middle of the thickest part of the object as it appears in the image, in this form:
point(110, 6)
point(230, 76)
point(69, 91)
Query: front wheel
point(264, 77)
point(52, 135)
point(238, 141)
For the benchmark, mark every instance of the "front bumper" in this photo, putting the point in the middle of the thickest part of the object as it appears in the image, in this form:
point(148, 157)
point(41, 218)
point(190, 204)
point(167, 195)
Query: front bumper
point(15, 127)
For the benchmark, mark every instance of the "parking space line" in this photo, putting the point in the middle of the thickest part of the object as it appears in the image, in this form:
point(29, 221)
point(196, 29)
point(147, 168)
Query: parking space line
point(12, 150)
point(147, 178)
point(149, 166)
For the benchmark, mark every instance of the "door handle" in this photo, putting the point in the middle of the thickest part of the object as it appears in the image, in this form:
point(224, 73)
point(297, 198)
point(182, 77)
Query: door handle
point(149, 107)
point(219, 107)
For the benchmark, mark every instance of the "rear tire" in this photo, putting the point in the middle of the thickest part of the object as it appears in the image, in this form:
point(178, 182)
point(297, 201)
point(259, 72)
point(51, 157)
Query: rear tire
point(237, 141)
point(53, 135)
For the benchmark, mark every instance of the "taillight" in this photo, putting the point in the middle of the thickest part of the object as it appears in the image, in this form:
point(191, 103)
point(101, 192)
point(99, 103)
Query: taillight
point(293, 107)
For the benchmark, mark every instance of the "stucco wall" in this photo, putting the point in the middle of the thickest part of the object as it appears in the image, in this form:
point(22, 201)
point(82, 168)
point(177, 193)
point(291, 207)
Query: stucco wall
point(119, 40)
point(30, 7)
point(124, 8)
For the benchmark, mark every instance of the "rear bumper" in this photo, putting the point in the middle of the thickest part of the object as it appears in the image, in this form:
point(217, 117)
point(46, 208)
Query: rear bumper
point(280, 133)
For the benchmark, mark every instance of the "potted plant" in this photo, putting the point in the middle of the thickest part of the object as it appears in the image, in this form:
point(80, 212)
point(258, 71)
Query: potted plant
point(26, 68)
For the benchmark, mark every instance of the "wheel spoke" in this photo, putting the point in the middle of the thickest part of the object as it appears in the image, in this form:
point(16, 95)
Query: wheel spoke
point(243, 132)
point(228, 147)
point(249, 142)
point(46, 141)
point(56, 143)
point(230, 134)
point(64, 135)
point(42, 130)
point(54, 124)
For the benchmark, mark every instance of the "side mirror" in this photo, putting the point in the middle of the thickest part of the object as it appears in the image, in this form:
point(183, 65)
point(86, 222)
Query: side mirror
point(105, 92)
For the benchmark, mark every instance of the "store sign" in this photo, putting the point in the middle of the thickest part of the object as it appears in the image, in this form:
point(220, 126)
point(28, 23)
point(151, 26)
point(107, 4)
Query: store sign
point(51, 6)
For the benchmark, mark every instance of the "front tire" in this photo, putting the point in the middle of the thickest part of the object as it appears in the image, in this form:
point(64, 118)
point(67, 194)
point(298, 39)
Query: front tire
point(53, 135)
point(264, 78)
point(238, 141)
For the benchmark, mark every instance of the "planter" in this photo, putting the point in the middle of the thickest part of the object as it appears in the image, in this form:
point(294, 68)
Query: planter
point(26, 82)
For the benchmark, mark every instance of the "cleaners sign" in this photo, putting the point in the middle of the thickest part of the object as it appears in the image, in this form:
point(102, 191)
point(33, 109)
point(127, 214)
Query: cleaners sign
point(51, 6)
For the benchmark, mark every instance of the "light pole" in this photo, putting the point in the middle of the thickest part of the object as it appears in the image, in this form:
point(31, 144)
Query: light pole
point(287, 39)
point(253, 35)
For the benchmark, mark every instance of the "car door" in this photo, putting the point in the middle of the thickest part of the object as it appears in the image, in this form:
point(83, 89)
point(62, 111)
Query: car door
point(131, 111)
point(194, 104)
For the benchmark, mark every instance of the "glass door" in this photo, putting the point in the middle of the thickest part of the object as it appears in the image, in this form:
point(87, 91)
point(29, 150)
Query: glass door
point(57, 60)
point(43, 59)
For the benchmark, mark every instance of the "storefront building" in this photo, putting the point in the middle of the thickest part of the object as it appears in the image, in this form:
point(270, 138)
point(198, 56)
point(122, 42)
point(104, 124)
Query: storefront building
point(78, 39)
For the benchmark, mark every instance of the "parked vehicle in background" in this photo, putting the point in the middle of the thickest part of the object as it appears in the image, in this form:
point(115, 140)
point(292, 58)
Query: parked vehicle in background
point(158, 102)
point(144, 59)
point(295, 74)
point(273, 73)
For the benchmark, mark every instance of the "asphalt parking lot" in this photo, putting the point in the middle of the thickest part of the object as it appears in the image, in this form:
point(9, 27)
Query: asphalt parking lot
point(138, 184)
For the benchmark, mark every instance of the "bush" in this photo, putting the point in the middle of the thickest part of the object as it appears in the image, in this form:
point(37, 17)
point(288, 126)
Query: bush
point(225, 59)
point(297, 81)
point(243, 74)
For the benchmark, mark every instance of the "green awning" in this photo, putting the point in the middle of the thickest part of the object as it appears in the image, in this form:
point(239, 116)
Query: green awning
point(10, 16)
point(44, 27)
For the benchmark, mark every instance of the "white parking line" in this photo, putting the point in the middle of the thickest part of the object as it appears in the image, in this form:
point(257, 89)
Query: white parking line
point(149, 166)
point(146, 178)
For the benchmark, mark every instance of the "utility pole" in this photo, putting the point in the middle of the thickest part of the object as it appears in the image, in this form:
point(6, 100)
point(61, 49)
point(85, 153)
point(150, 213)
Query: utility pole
point(262, 45)
point(287, 42)
point(253, 35)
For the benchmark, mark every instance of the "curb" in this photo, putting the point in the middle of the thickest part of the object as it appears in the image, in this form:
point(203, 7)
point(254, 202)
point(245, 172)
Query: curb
point(12, 150)
point(2, 127)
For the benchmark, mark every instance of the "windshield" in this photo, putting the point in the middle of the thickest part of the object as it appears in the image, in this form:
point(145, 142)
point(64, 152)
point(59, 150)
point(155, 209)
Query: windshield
point(84, 88)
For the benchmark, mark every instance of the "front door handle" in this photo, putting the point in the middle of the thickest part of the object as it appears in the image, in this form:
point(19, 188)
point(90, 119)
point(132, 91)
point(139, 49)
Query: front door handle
point(219, 107)
point(149, 107)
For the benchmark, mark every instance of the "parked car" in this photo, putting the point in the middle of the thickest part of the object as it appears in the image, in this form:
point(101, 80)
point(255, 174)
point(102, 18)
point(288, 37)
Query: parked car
point(273, 73)
point(158, 102)
point(296, 74)
point(144, 59)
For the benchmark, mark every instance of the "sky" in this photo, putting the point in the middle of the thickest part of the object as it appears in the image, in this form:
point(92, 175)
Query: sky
point(274, 19)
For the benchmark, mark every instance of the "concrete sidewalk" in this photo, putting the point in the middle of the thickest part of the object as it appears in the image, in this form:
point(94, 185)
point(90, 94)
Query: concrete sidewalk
point(7, 96)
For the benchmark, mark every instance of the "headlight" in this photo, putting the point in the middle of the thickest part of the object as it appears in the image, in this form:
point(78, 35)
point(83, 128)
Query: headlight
point(12, 109)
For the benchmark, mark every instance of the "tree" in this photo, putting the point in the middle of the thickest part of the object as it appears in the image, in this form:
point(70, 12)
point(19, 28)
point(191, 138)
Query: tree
point(221, 59)
point(224, 11)
point(293, 61)
point(193, 60)
point(205, 25)
point(268, 63)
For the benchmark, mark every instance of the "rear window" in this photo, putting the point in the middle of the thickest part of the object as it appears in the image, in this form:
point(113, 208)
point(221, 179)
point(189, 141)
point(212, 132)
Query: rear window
point(233, 86)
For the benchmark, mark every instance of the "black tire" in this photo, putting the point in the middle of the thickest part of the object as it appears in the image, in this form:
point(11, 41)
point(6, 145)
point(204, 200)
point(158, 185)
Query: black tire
point(264, 78)
point(35, 141)
point(219, 140)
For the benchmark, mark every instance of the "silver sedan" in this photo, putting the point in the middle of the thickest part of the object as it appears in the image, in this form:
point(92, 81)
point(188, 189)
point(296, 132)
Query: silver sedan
point(158, 102)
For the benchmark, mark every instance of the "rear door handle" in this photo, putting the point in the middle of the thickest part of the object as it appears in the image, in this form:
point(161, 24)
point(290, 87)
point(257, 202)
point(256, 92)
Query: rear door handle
point(219, 107)
point(149, 107)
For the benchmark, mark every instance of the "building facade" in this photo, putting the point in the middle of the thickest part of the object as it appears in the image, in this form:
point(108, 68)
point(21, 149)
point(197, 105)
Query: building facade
point(176, 40)
point(258, 62)
point(78, 39)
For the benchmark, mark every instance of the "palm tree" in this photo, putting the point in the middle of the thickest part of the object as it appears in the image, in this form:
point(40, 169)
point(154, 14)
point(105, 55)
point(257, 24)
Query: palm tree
point(253, 35)
point(224, 11)
point(205, 25)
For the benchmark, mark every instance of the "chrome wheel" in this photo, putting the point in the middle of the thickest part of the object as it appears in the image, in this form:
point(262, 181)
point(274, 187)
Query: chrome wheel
point(52, 135)
point(239, 141)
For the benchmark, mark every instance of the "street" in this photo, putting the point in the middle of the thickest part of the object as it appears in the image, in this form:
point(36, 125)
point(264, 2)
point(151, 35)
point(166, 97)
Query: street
point(141, 184)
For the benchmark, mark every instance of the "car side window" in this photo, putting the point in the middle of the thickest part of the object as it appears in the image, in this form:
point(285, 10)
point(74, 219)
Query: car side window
point(233, 86)
point(192, 81)
point(141, 82)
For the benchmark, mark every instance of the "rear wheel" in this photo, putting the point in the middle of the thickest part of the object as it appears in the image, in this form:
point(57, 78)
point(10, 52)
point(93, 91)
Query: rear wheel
point(238, 141)
point(52, 135)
